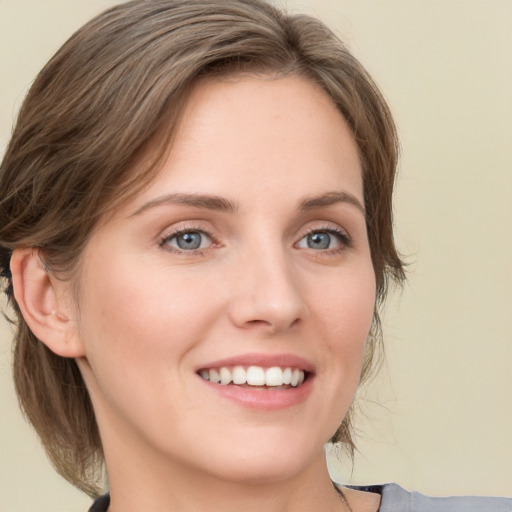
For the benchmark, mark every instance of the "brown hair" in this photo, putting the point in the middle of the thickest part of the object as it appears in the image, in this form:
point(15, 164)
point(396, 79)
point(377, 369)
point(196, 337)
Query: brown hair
point(115, 84)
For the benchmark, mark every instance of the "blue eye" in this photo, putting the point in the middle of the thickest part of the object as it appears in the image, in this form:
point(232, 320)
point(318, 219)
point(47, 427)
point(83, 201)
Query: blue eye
point(188, 240)
point(323, 240)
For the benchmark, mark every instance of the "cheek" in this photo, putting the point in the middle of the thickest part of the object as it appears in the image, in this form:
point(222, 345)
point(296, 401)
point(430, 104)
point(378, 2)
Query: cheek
point(128, 300)
point(348, 303)
point(346, 310)
point(138, 329)
point(140, 321)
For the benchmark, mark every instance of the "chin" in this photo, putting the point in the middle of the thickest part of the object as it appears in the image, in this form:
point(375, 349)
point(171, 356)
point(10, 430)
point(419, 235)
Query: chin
point(264, 458)
point(261, 469)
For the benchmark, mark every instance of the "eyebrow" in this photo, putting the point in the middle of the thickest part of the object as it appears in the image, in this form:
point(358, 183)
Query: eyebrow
point(217, 203)
point(329, 199)
point(209, 202)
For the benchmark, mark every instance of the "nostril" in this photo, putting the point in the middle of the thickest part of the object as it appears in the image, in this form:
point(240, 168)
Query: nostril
point(295, 323)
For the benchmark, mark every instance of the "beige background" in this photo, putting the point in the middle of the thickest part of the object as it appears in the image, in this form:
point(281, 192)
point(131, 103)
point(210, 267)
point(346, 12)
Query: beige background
point(438, 418)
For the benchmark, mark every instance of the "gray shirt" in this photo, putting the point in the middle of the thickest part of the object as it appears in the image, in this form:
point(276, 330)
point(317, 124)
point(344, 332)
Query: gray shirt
point(397, 499)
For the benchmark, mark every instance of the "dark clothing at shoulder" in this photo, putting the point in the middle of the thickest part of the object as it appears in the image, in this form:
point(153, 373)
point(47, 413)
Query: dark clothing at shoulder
point(397, 499)
point(101, 504)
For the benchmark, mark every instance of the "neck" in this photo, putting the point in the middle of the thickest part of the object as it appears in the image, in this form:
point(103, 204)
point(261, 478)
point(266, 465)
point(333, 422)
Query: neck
point(152, 485)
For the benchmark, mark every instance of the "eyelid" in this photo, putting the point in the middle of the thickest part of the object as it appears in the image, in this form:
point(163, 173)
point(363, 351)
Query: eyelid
point(328, 227)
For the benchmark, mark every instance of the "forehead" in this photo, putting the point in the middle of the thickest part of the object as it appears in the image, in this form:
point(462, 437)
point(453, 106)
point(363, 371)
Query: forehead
point(242, 134)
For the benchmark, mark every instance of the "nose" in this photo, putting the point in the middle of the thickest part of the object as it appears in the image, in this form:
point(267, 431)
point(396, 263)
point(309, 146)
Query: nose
point(266, 293)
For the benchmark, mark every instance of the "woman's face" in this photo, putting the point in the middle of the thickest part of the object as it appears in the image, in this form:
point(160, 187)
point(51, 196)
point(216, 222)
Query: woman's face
point(247, 252)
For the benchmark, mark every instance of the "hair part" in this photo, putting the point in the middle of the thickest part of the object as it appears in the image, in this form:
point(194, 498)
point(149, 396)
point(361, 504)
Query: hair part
point(79, 149)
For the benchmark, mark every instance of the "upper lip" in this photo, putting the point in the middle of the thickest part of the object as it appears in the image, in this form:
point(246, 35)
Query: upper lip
point(264, 360)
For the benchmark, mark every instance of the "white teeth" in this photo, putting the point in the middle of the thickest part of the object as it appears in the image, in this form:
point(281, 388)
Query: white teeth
point(254, 376)
point(214, 376)
point(274, 376)
point(300, 378)
point(239, 375)
point(225, 376)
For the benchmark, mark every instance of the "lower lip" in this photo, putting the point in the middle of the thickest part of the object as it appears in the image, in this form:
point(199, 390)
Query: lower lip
point(264, 399)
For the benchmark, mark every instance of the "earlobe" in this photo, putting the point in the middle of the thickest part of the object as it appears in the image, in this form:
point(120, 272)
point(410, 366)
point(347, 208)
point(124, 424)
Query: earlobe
point(44, 303)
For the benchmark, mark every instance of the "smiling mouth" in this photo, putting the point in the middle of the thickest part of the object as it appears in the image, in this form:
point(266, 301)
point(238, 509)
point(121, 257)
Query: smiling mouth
point(275, 377)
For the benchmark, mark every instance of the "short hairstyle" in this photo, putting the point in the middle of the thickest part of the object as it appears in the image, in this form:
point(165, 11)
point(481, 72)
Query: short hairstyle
point(115, 86)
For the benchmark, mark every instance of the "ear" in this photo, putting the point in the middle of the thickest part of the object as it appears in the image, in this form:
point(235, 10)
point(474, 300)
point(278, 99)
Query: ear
point(45, 303)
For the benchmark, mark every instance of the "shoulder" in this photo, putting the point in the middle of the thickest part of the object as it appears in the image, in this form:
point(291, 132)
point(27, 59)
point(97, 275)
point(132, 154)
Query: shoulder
point(396, 499)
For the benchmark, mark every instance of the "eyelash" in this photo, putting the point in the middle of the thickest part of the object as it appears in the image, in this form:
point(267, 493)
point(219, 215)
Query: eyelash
point(344, 239)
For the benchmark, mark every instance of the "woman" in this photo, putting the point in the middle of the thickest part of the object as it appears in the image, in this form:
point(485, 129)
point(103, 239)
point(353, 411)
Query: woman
point(196, 234)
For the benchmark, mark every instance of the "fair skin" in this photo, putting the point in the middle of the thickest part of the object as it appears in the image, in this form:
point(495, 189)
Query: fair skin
point(248, 249)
